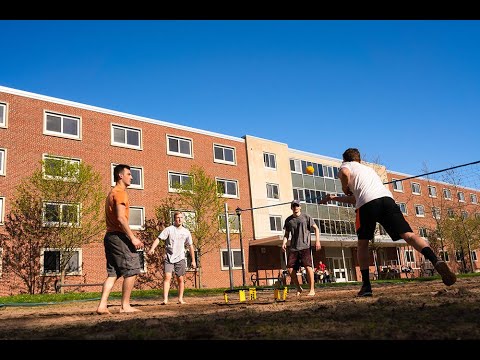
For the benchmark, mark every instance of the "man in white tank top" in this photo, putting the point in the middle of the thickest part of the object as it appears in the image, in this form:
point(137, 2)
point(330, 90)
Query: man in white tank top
point(374, 203)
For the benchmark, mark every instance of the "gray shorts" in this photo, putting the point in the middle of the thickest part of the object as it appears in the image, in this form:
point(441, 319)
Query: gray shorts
point(179, 267)
point(122, 257)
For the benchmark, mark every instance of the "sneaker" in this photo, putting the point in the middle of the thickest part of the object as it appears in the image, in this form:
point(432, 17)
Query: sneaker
point(448, 277)
point(365, 291)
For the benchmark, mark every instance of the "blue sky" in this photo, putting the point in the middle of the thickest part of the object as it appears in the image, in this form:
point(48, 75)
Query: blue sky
point(405, 92)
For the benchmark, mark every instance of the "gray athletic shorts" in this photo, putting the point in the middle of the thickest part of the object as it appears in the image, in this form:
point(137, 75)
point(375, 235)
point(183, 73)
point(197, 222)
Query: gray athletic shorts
point(122, 257)
point(179, 267)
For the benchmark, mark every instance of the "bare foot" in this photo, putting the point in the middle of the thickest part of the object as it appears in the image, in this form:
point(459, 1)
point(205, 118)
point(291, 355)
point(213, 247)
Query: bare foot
point(129, 310)
point(311, 293)
point(164, 303)
point(103, 312)
point(299, 291)
point(181, 302)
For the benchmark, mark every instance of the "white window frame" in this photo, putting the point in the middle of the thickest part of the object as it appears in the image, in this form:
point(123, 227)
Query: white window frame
point(271, 191)
point(473, 255)
point(268, 159)
point(432, 191)
point(444, 255)
point(179, 139)
point(132, 169)
point(56, 273)
point(224, 266)
point(278, 221)
point(126, 129)
point(3, 161)
point(297, 164)
point(397, 185)
point(419, 210)
point(62, 117)
point(182, 176)
point(143, 259)
point(460, 196)
point(414, 190)
point(224, 148)
point(409, 256)
point(2, 210)
point(328, 171)
point(423, 232)
point(299, 194)
point(450, 213)
point(464, 214)
point(59, 223)
point(473, 198)
point(140, 226)
point(233, 221)
point(403, 208)
point(4, 117)
point(225, 181)
point(59, 158)
point(447, 194)
point(458, 255)
point(436, 213)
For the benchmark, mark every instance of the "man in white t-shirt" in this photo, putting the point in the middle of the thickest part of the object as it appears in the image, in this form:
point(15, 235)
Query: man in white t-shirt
point(176, 239)
point(374, 203)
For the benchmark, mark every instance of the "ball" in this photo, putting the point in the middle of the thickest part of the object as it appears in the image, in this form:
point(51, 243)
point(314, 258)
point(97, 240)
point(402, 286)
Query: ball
point(310, 170)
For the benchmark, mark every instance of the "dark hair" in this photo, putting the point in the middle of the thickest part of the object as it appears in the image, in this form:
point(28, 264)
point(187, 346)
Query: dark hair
point(351, 154)
point(119, 169)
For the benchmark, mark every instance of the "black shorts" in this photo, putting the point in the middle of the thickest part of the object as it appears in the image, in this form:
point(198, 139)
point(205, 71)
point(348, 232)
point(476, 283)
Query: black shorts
point(299, 258)
point(122, 257)
point(384, 211)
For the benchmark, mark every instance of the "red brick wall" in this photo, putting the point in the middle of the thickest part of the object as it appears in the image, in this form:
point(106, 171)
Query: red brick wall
point(25, 144)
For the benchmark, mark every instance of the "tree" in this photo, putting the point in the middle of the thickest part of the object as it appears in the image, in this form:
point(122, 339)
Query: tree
point(200, 200)
point(58, 208)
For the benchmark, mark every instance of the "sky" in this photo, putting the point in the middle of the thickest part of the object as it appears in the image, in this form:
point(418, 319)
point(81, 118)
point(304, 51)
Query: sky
point(406, 93)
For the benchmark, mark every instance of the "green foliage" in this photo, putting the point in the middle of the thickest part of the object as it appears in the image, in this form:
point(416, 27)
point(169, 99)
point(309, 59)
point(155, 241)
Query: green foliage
point(59, 206)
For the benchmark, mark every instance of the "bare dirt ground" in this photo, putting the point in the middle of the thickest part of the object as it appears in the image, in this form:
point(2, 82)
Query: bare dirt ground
point(403, 311)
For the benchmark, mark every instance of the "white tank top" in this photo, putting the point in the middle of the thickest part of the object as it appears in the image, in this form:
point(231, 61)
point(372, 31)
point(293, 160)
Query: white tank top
point(365, 183)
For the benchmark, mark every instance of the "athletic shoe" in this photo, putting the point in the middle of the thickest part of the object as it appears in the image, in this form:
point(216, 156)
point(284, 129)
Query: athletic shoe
point(448, 277)
point(365, 291)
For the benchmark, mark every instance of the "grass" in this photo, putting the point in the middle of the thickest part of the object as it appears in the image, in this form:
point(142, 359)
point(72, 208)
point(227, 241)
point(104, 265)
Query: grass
point(42, 299)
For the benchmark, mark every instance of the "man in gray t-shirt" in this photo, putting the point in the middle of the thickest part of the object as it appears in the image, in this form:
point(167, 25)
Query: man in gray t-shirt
point(298, 227)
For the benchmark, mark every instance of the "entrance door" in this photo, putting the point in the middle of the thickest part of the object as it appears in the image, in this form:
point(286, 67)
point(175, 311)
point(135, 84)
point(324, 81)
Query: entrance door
point(338, 269)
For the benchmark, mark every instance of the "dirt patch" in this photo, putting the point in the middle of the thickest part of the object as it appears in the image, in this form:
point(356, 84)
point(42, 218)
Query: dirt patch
point(403, 311)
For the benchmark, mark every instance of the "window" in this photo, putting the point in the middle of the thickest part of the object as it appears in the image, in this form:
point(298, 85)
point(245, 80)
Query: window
point(224, 154)
point(461, 196)
point(272, 191)
point(227, 188)
point(61, 214)
point(473, 198)
point(295, 166)
point(189, 219)
point(328, 171)
point(458, 255)
point(179, 146)
point(137, 176)
point(450, 213)
point(177, 179)
point(419, 210)
point(397, 185)
point(233, 224)
point(51, 261)
point(60, 168)
point(136, 220)
point(423, 232)
point(126, 137)
point(299, 194)
point(2, 210)
point(447, 194)
point(416, 189)
point(444, 255)
point(409, 256)
point(62, 125)
point(436, 213)
point(473, 254)
point(403, 208)
point(143, 263)
point(269, 160)
point(3, 115)
point(276, 223)
point(432, 191)
point(3, 157)
point(236, 258)
point(464, 214)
